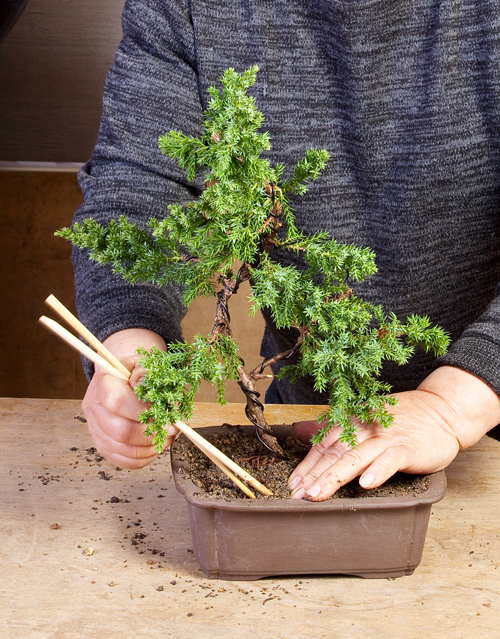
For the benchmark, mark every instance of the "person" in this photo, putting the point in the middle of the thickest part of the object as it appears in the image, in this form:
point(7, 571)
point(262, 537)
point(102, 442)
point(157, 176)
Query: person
point(406, 98)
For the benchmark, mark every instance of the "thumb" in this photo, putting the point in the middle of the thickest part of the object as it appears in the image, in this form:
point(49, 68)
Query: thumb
point(137, 373)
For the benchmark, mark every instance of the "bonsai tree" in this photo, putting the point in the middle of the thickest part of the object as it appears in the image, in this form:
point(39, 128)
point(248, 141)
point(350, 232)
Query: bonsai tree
point(229, 235)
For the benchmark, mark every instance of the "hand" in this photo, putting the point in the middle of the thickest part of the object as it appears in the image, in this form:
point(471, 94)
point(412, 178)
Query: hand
point(112, 408)
point(450, 410)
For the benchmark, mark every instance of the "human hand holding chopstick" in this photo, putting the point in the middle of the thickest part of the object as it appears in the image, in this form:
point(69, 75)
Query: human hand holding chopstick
point(117, 400)
point(112, 408)
point(110, 405)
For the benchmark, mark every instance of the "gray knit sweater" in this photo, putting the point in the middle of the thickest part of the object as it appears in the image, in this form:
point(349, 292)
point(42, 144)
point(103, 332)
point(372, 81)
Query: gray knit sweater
point(404, 95)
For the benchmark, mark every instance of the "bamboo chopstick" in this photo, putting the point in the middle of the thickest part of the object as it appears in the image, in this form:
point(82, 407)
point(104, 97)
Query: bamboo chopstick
point(83, 348)
point(75, 323)
point(197, 439)
point(218, 463)
point(227, 465)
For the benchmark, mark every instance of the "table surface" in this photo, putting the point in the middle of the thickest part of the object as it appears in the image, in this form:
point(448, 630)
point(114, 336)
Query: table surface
point(143, 581)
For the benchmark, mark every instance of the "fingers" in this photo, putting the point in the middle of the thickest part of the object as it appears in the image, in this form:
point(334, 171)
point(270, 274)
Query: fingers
point(137, 376)
point(115, 408)
point(419, 441)
point(112, 410)
point(370, 458)
point(318, 458)
point(384, 467)
point(125, 456)
point(328, 472)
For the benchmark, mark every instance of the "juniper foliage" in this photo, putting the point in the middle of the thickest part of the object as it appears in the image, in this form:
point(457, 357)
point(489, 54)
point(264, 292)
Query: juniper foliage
point(240, 218)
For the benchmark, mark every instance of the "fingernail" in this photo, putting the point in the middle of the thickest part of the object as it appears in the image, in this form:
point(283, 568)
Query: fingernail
point(299, 494)
point(293, 483)
point(366, 480)
point(313, 491)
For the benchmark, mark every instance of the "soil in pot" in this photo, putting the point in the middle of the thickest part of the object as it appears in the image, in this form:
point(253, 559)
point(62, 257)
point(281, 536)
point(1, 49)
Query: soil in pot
point(242, 446)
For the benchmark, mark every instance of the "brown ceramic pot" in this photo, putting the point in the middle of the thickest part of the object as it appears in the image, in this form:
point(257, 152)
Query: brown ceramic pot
point(375, 537)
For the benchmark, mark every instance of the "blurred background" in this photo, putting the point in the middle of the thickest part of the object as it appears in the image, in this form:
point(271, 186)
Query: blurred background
point(54, 57)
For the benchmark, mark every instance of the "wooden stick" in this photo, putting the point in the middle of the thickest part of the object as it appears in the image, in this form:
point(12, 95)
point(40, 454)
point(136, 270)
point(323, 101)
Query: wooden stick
point(197, 439)
point(75, 323)
point(83, 348)
point(222, 466)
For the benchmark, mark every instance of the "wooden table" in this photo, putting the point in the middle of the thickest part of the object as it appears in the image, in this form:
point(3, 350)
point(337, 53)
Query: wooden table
point(142, 580)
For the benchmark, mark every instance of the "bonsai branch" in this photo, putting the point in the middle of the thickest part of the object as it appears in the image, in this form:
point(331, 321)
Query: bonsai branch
point(273, 220)
point(254, 409)
point(257, 372)
point(222, 316)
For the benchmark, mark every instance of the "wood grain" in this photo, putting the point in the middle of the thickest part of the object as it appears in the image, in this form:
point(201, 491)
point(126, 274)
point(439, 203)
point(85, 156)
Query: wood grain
point(33, 264)
point(51, 590)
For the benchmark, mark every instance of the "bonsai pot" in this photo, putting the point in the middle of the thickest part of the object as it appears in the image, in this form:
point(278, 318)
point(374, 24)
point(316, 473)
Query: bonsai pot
point(247, 539)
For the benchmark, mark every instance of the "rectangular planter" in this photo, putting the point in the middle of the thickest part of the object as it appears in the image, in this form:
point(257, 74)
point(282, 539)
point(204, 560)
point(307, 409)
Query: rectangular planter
point(374, 537)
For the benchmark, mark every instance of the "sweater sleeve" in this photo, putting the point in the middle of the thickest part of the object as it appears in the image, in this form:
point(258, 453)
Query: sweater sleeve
point(151, 88)
point(477, 351)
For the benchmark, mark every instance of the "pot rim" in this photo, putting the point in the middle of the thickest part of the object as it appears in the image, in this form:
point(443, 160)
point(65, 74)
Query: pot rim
point(434, 493)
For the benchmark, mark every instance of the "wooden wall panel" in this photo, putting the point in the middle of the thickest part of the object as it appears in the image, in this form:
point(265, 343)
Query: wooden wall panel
point(33, 264)
point(52, 70)
point(247, 330)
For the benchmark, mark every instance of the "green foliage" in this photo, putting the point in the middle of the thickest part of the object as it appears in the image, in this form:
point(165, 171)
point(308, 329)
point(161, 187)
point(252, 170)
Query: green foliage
point(345, 340)
point(173, 378)
point(309, 168)
point(134, 253)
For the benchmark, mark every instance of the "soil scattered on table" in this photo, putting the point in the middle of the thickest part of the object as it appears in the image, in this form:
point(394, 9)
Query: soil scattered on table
point(240, 444)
